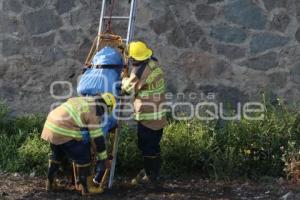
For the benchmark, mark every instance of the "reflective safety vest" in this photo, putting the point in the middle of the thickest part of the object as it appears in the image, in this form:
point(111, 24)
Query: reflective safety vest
point(73, 115)
point(149, 88)
point(154, 83)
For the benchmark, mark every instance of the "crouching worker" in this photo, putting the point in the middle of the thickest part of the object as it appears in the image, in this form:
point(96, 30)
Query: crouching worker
point(72, 129)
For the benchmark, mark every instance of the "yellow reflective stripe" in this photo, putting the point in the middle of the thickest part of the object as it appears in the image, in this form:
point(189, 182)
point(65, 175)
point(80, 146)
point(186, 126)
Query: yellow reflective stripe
point(153, 75)
point(147, 93)
point(102, 155)
point(150, 116)
point(74, 114)
point(84, 106)
point(62, 131)
point(96, 133)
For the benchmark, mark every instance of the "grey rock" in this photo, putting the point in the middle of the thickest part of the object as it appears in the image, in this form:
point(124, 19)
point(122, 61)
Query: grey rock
point(11, 46)
point(230, 51)
point(199, 65)
point(34, 3)
point(193, 32)
point(162, 24)
point(214, 1)
point(246, 14)
point(8, 24)
point(83, 50)
point(177, 38)
point(271, 4)
point(41, 21)
point(186, 35)
point(205, 12)
point(280, 22)
point(50, 55)
point(297, 6)
point(12, 5)
point(221, 67)
point(229, 34)
point(41, 40)
point(264, 41)
point(263, 62)
point(297, 35)
point(296, 69)
point(68, 36)
point(64, 6)
point(278, 79)
point(85, 18)
point(229, 96)
point(205, 45)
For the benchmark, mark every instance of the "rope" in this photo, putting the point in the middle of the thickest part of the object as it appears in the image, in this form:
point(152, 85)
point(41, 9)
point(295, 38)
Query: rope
point(108, 25)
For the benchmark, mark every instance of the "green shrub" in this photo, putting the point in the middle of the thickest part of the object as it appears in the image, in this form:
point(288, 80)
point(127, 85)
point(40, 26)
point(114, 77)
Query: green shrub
point(33, 154)
point(216, 149)
point(129, 157)
point(9, 145)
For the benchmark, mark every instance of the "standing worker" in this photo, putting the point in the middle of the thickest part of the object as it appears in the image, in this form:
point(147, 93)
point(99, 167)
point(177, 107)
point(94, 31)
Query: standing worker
point(146, 83)
point(72, 129)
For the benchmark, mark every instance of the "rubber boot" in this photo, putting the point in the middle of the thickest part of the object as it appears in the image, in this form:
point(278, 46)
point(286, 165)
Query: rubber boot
point(86, 181)
point(53, 169)
point(152, 167)
point(99, 172)
point(140, 178)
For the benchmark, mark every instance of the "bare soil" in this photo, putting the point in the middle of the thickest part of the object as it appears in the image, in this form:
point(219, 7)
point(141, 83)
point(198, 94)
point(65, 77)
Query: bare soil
point(15, 186)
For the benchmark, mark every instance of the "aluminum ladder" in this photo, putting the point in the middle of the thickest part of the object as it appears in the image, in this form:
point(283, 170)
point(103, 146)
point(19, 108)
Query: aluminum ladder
point(130, 18)
point(129, 35)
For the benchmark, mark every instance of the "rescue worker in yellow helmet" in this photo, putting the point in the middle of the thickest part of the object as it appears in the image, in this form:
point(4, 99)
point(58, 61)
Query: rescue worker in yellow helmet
point(146, 83)
point(71, 129)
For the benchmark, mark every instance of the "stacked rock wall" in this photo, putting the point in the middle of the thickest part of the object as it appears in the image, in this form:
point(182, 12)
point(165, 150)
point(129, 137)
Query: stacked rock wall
point(235, 48)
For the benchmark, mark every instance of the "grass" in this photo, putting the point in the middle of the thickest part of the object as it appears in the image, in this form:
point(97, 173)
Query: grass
point(215, 149)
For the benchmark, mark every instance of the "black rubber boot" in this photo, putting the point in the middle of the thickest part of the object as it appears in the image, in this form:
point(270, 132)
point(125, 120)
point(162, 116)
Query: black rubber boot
point(53, 169)
point(83, 171)
point(152, 167)
point(86, 181)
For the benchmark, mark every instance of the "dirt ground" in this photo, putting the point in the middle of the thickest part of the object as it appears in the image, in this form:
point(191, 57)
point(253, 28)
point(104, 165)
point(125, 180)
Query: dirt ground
point(15, 186)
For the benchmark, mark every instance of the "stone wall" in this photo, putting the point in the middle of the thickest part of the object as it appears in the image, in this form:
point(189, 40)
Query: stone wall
point(235, 48)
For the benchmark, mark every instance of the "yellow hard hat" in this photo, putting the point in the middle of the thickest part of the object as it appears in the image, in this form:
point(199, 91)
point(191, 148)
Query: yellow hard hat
point(109, 100)
point(139, 51)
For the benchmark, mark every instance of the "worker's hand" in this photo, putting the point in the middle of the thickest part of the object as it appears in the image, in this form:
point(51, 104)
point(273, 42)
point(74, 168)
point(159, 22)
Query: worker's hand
point(124, 75)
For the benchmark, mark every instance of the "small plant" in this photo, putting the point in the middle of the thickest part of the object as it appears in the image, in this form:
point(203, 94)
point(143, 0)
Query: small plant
point(33, 154)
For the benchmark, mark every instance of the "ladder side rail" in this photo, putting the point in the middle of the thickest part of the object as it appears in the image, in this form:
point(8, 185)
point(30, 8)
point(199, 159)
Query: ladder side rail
point(100, 23)
point(115, 145)
point(131, 21)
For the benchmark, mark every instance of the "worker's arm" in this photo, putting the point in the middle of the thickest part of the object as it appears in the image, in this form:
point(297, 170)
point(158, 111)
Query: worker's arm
point(101, 153)
point(129, 84)
point(135, 81)
point(96, 133)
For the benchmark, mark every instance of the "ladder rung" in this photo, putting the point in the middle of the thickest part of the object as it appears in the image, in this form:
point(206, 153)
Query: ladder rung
point(116, 17)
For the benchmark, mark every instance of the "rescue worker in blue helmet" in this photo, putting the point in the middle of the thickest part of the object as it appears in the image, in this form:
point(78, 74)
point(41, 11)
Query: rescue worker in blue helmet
point(147, 83)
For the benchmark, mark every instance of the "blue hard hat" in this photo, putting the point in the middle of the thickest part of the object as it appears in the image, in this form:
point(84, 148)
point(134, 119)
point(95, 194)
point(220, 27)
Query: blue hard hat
point(107, 56)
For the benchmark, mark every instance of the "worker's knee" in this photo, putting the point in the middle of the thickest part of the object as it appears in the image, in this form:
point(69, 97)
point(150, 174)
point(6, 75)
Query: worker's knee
point(149, 140)
point(57, 153)
point(78, 151)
